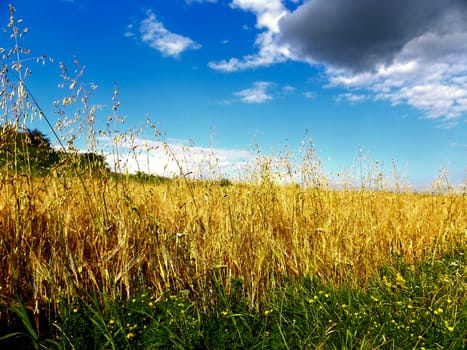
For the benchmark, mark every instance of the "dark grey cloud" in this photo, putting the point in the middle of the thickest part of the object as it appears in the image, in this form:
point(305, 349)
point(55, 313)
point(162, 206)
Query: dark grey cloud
point(360, 34)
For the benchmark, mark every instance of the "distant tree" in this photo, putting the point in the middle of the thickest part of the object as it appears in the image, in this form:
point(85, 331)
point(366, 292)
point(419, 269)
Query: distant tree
point(92, 161)
point(38, 139)
point(26, 151)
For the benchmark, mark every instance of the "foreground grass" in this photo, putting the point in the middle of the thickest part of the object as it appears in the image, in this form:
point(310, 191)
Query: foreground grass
point(406, 306)
point(182, 264)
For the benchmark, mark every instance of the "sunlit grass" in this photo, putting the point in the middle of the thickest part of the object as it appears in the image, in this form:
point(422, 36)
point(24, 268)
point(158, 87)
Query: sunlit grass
point(389, 263)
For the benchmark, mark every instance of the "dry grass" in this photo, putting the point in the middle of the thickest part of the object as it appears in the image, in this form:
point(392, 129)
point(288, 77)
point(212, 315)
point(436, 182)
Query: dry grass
point(65, 236)
point(60, 241)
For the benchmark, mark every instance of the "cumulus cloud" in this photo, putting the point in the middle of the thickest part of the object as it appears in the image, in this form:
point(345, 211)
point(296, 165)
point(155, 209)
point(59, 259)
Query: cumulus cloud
point(155, 35)
point(350, 98)
point(270, 51)
point(412, 52)
point(256, 94)
point(359, 35)
point(429, 74)
point(268, 12)
point(174, 158)
point(405, 52)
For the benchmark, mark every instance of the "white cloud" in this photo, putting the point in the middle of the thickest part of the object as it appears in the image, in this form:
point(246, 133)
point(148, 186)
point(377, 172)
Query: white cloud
point(256, 94)
point(350, 98)
point(289, 89)
point(429, 74)
point(155, 35)
point(174, 158)
point(309, 95)
point(129, 31)
point(268, 13)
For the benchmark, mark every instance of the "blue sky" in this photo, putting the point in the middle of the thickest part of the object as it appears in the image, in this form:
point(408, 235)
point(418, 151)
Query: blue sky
point(229, 74)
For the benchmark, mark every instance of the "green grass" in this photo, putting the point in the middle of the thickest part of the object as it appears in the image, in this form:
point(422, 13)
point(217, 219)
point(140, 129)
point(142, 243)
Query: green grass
point(404, 306)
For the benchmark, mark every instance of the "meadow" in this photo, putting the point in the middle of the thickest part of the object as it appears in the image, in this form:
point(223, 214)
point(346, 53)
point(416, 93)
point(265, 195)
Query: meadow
point(94, 258)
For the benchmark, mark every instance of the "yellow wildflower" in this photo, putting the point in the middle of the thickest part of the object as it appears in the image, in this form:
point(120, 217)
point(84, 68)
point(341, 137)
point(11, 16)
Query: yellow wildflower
point(400, 281)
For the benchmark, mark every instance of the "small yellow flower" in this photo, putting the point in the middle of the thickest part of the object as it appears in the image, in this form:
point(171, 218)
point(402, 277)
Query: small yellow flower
point(224, 313)
point(75, 310)
point(130, 335)
point(151, 304)
point(448, 327)
point(386, 282)
point(438, 311)
point(400, 281)
point(267, 312)
point(111, 321)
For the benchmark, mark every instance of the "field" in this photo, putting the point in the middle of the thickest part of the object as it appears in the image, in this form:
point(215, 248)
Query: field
point(92, 257)
point(261, 256)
